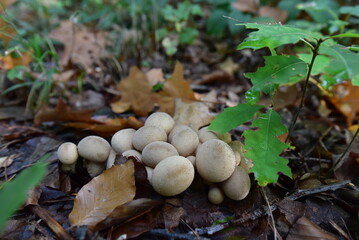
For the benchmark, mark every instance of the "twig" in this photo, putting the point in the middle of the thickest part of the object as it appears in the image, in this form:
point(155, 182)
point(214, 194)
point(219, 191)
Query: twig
point(310, 159)
point(270, 212)
point(346, 150)
point(315, 54)
point(170, 235)
point(264, 210)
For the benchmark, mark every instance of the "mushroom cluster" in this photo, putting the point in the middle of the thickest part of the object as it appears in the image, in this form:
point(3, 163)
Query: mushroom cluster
point(171, 154)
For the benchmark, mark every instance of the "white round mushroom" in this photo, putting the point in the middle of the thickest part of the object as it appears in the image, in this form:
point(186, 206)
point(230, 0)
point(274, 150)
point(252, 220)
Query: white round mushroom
point(215, 161)
point(121, 141)
point(94, 168)
point(237, 148)
point(67, 153)
point(133, 153)
point(177, 129)
point(147, 134)
point(162, 120)
point(204, 135)
point(192, 159)
point(215, 195)
point(238, 185)
point(156, 151)
point(94, 148)
point(149, 172)
point(172, 176)
point(185, 141)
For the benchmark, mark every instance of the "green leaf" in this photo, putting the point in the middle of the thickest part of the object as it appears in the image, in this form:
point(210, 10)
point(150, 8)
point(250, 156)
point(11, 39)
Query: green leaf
point(188, 35)
point(321, 11)
point(216, 24)
point(277, 70)
point(320, 63)
point(352, 10)
point(274, 35)
point(345, 63)
point(233, 116)
point(354, 48)
point(348, 34)
point(263, 148)
point(13, 193)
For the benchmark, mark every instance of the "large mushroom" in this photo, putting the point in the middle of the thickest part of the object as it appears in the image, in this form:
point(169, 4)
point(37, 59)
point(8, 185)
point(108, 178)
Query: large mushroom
point(238, 185)
point(162, 120)
point(121, 141)
point(156, 151)
point(147, 134)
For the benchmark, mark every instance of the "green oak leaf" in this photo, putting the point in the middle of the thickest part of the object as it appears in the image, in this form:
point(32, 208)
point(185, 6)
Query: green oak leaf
point(263, 148)
point(344, 65)
point(277, 70)
point(320, 63)
point(275, 35)
point(233, 116)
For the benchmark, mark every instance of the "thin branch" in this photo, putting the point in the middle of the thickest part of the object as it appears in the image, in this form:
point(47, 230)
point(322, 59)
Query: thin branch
point(315, 54)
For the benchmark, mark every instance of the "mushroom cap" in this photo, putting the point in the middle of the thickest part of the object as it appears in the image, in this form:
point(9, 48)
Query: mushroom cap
point(132, 153)
point(204, 134)
point(238, 185)
point(67, 153)
point(192, 159)
point(111, 159)
point(156, 151)
point(237, 148)
point(172, 175)
point(185, 141)
point(147, 134)
point(215, 160)
point(246, 164)
point(215, 195)
point(121, 141)
point(162, 120)
point(94, 148)
point(177, 129)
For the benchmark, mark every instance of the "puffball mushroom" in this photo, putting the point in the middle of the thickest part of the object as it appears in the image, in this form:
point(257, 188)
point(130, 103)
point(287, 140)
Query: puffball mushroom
point(111, 159)
point(192, 159)
point(94, 168)
point(238, 185)
point(68, 155)
point(237, 148)
point(177, 129)
point(121, 141)
point(172, 176)
point(215, 195)
point(132, 153)
point(94, 148)
point(204, 135)
point(215, 161)
point(147, 134)
point(156, 151)
point(162, 120)
point(149, 172)
point(185, 141)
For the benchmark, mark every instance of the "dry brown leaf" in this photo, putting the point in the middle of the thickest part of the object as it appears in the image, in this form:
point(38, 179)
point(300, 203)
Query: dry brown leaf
point(305, 229)
point(246, 5)
point(346, 101)
point(154, 76)
point(8, 62)
point(7, 160)
point(82, 46)
point(136, 94)
point(6, 30)
point(97, 199)
point(278, 14)
point(128, 212)
point(229, 66)
point(108, 127)
point(62, 112)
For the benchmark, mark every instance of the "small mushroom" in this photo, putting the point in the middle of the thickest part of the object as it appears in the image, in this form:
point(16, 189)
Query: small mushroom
point(177, 129)
point(147, 134)
point(132, 153)
point(121, 141)
point(215, 161)
point(215, 195)
point(238, 185)
point(94, 148)
point(204, 135)
point(162, 120)
point(237, 148)
point(68, 155)
point(156, 151)
point(185, 141)
point(172, 176)
point(149, 172)
point(192, 159)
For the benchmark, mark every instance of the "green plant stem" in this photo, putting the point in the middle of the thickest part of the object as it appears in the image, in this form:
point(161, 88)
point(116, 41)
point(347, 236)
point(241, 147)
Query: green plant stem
point(315, 52)
point(346, 150)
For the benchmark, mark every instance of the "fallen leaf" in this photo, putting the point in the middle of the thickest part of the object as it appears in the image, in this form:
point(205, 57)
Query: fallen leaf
point(7, 31)
point(293, 210)
point(155, 76)
point(348, 168)
point(285, 96)
point(8, 62)
point(173, 212)
point(7, 160)
point(195, 114)
point(246, 5)
point(276, 13)
point(127, 211)
point(62, 112)
point(82, 46)
point(97, 199)
point(136, 94)
point(229, 66)
point(306, 229)
point(346, 100)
